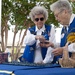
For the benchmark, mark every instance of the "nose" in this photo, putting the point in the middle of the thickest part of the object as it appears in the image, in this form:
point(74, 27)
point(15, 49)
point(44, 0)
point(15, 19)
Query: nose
point(39, 21)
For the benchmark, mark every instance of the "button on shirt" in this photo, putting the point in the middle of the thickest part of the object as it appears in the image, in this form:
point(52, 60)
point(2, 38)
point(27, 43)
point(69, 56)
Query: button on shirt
point(30, 40)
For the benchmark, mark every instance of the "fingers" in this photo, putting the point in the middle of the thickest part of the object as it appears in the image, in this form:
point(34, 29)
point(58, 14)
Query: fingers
point(46, 44)
point(57, 51)
point(42, 44)
point(40, 38)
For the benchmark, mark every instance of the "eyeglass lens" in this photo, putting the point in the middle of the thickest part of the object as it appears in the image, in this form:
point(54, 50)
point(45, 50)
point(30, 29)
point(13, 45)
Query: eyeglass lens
point(37, 19)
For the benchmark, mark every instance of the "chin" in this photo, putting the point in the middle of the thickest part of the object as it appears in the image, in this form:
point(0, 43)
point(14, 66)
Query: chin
point(40, 26)
point(62, 23)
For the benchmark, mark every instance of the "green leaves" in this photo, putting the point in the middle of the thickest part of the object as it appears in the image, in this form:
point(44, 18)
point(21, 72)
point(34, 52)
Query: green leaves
point(16, 11)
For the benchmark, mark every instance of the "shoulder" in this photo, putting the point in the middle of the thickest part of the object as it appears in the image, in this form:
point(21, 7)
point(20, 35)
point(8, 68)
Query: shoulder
point(48, 27)
point(32, 28)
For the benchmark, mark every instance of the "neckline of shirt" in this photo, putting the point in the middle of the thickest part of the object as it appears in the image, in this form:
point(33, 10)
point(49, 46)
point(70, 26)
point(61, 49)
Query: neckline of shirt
point(42, 29)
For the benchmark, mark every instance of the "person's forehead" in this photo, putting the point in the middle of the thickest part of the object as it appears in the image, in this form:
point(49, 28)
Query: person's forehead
point(40, 15)
point(56, 11)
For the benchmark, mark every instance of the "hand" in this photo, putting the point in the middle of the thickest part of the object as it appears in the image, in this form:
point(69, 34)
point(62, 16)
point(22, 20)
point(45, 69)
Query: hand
point(40, 38)
point(58, 51)
point(46, 44)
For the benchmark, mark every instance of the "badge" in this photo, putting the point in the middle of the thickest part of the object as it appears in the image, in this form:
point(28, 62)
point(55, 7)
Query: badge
point(31, 48)
point(62, 35)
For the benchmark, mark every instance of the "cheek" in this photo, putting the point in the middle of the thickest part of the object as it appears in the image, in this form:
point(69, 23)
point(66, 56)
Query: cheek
point(62, 18)
point(35, 23)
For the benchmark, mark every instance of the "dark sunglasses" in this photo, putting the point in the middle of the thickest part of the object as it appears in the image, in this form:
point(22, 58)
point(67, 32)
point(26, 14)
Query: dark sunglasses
point(37, 19)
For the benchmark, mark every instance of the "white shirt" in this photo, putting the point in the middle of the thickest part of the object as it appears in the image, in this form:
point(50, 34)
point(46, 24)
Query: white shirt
point(30, 40)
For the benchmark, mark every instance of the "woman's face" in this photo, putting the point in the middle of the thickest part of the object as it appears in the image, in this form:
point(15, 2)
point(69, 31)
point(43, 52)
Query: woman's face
point(39, 21)
point(62, 17)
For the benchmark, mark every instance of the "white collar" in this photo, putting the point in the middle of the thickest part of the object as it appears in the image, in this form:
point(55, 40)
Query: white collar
point(42, 29)
point(71, 20)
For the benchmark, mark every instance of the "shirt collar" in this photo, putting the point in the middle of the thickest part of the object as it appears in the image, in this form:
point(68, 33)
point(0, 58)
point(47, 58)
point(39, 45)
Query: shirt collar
point(71, 20)
point(42, 29)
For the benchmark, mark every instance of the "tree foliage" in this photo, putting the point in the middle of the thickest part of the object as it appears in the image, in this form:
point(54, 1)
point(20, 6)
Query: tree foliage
point(17, 13)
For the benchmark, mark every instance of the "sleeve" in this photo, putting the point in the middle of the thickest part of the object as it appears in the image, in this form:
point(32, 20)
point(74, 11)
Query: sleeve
point(29, 38)
point(49, 56)
point(52, 35)
point(71, 47)
point(52, 38)
point(56, 45)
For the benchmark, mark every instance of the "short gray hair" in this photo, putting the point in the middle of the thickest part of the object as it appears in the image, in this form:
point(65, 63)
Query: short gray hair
point(61, 5)
point(37, 10)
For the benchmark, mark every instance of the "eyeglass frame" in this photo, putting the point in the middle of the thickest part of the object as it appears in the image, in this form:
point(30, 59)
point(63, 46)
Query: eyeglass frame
point(56, 15)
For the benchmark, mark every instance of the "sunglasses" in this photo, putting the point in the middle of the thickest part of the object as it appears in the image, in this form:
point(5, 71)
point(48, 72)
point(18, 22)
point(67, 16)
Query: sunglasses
point(37, 19)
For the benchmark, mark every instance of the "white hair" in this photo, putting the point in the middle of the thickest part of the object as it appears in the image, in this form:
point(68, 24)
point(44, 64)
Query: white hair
point(37, 10)
point(61, 5)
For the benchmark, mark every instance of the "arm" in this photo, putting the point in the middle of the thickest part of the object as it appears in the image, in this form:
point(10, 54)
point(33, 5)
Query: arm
point(29, 38)
point(49, 56)
point(52, 40)
point(59, 51)
point(52, 36)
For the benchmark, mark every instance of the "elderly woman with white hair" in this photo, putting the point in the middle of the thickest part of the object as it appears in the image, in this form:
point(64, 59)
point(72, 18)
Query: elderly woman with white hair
point(63, 14)
point(35, 52)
